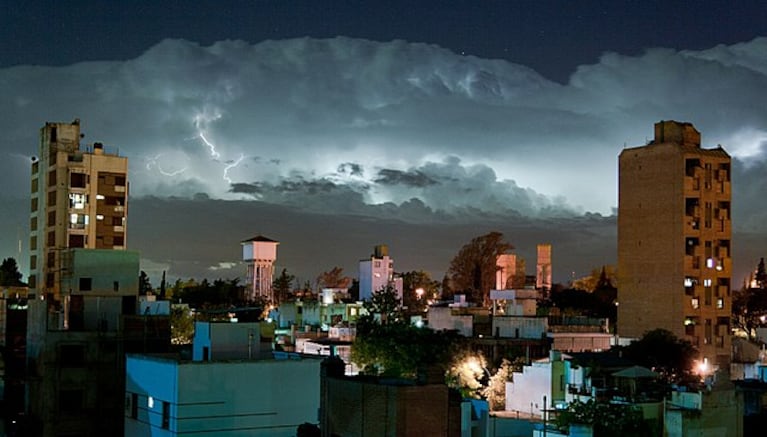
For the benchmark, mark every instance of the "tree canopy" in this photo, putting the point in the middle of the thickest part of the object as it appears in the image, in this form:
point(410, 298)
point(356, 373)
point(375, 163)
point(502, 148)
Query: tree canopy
point(387, 345)
point(661, 351)
point(9, 273)
point(417, 289)
point(472, 270)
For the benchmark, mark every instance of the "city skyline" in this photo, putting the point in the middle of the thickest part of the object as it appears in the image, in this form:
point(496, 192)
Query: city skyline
point(338, 140)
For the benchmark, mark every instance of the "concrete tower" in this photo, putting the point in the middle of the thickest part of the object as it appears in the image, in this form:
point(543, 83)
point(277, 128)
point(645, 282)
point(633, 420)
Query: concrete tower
point(79, 200)
point(543, 268)
point(259, 253)
point(674, 240)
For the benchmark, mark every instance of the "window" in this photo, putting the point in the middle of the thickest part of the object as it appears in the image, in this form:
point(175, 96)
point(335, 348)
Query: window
point(33, 224)
point(120, 180)
point(78, 221)
point(720, 303)
point(695, 302)
point(52, 218)
point(33, 242)
point(117, 221)
point(34, 185)
point(52, 238)
point(165, 415)
point(118, 240)
point(52, 178)
point(99, 216)
point(708, 332)
point(86, 284)
point(707, 282)
point(33, 262)
point(116, 285)
point(32, 281)
point(99, 197)
point(134, 405)
point(77, 180)
point(51, 198)
point(49, 280)
point(34, 204)
point(76, 240)
point(77, 200)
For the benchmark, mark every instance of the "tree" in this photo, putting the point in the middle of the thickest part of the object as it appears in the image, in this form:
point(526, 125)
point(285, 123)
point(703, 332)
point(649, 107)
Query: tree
point(607, 419)
point(384, 304)
point(466, 373)
point(144, 286)
point(472, 270)
point(333, 279)
point(282, 286)
point(495, 392)
point(181, 325)
point(598, 278)
point(761, 275)
point(389, 346)
point(9, 273)
point(661, 351)
point(749, 306)
point(417, 289)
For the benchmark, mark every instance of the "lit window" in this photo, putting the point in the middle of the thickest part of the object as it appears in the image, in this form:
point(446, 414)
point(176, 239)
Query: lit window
point(150, 402)
point(99, 197)
point(707, 282)
point(77, 200)
point(695, 302)
point(710, 263)
point(720, 303)
point(688, 282)
point(99, 217)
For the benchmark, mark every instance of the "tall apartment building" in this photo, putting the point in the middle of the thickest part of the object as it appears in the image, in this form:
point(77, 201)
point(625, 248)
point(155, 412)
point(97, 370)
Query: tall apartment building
point(79, 200)
point(674, 240)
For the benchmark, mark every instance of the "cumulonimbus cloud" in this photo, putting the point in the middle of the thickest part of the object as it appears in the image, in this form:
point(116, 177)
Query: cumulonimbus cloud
point(362, 122)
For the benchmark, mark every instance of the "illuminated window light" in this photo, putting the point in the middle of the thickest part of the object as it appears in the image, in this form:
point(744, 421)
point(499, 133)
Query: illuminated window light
point(710, 263)
point(150, 402)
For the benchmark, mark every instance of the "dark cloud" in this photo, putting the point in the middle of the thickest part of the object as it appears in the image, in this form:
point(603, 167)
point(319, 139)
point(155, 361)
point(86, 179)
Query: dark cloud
point(388, 176)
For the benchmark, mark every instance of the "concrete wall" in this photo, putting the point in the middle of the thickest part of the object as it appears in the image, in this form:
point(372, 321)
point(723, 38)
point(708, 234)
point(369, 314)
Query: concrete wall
point(442, 318)
point(107, 269)
point(520, 327)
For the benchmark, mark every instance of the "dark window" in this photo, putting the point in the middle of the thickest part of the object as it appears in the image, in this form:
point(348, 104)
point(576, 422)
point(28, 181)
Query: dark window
point(51, 198)
point(34, 204)
point(134, 405)
point(76, 240)
point(86, 284)
point(120, 180)
point(71, 401)
point(52, 238)
point(34, 185)
point(52, 178)
point(32, 281)
point(33, 224)
point(52, 218)
point(50, 259)
point(118, 240)
point(33, 262)
point(53, 135)
point(77, 180)
point(116, 285)
point(165, 415)
point(117, 221)
point(72, 355)
point(49, 280)
point(33, 242)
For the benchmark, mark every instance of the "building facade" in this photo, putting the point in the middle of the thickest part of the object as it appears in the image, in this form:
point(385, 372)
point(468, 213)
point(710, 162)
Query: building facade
point(377, 272)
point(674, 240)
point(79, 200)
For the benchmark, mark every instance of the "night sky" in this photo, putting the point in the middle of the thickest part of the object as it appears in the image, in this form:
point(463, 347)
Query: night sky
point(335, 126)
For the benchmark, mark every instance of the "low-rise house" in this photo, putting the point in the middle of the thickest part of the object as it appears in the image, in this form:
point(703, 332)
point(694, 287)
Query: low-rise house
point(233, 386)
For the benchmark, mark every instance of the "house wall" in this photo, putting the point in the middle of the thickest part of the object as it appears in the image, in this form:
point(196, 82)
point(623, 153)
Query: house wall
point(520, 327)
point(228, 399)
point(442, 318)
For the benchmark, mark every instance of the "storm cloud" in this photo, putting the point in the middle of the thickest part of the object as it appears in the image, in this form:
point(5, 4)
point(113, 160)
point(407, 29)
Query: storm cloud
point(391, 130)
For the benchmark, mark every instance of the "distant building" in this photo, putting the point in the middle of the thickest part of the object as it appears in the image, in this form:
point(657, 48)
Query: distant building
point(674, 240)
point(543, 268)
point(510, 273)
point(79, 200)
point(377, 272)
point(259, 254)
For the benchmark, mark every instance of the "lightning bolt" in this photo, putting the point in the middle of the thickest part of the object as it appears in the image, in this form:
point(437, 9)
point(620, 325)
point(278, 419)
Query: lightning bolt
point(154, 162)
point(231, 166)
point(213, 152)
